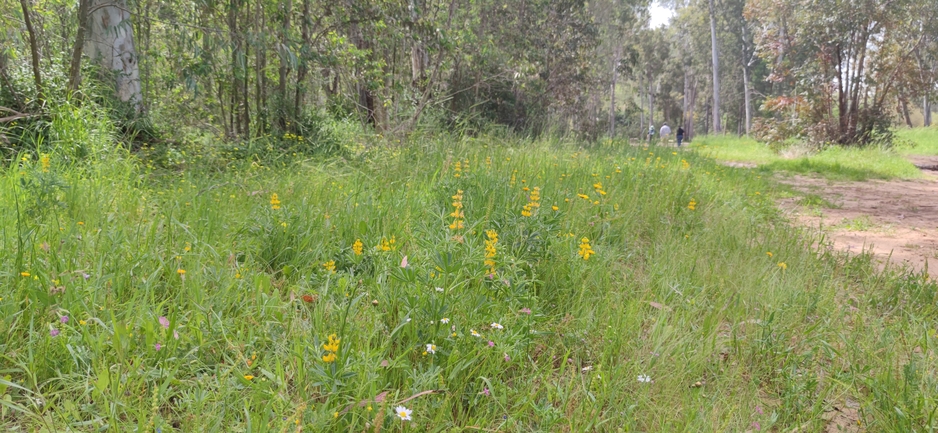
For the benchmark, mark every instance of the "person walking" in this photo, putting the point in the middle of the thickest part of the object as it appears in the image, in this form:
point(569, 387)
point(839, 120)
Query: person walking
point(680, 135)
point(665, 132)
point(651, 133)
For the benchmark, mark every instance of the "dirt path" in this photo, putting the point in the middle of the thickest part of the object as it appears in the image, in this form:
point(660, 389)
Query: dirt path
point(896, 220)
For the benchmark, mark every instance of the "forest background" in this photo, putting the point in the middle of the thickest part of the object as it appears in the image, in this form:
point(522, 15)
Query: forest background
point(840, 72)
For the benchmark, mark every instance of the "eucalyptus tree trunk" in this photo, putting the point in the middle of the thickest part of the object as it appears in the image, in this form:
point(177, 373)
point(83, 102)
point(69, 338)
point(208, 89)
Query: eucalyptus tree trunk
point(419, 58)
point(33, 50)
point(747, 86)
point(926, 105)
point(651, 102)
point(717, 127)
point(111, 43)
point(641, 111)
point(612, 92)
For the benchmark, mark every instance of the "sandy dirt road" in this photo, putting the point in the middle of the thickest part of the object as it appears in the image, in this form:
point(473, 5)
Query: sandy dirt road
point(896, 220)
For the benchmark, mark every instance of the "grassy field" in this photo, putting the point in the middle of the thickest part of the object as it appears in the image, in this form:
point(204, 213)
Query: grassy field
point(452, 284)
point(834, 162)
point(918, 141)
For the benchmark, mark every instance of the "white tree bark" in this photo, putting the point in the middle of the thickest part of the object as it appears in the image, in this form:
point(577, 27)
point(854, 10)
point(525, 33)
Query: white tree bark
point(111, 44)
point(747, 87)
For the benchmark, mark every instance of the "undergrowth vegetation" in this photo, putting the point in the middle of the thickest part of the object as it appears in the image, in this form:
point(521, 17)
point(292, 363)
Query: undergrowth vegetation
point(445, 284)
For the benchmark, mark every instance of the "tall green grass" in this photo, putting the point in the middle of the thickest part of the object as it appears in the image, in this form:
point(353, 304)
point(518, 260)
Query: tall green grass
point(918, 141)
point(191, 300)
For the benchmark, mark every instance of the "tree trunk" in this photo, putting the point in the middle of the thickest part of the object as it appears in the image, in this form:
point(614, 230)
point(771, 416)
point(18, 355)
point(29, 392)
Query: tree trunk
point(717, 127)
point(112, 44)
point(284, 68)
point(689, 115)
point(651, 103)
point(747, 99)
point(237, 54)
point(641, 111)
point(419, 59)
point(304, 68)
point(926, 111)
point(747, 87)
point(612, 93)
point(366, 98)
point(260, 64)
point(33, 51)
point(905, 111)
point(74, 69)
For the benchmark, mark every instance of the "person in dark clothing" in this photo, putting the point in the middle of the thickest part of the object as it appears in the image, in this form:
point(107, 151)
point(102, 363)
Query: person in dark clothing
point(680, 135)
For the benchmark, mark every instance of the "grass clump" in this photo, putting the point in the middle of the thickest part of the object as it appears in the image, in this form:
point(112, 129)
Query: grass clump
point(510, 285)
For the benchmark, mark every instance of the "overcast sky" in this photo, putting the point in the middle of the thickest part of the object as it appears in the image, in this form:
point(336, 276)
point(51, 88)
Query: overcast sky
point(659, 15)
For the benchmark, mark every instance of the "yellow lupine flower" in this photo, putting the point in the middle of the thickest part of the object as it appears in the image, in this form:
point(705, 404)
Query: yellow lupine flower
point(585, 250)
point(357, 247)
point(274, 202)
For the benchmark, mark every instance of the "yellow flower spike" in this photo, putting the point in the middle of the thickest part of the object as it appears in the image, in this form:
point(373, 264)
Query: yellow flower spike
point(248, 377)
point(585, 249)
point(357, 247)
point(274, 202)
point(782, 265)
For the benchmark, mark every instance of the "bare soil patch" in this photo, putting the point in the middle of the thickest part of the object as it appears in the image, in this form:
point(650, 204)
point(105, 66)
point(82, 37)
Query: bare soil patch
point(896, 220)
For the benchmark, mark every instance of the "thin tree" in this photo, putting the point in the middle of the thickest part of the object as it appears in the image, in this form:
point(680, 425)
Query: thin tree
point(33, 51)
point(717, 127)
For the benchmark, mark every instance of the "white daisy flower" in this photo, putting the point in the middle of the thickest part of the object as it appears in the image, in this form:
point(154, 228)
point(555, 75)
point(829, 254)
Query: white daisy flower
point(403, 413)
point(497, 326)
point(439, 289)
point(444, 320)
point(474, 333)
point(644, 378)
point(431, 348)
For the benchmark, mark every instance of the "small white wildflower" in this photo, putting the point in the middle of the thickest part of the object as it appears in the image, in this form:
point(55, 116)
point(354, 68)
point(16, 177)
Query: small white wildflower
point(644, 378)
point(431, 348)
point(444, 320)
point(588, 368)
point(403, 413)
point(439, 289)
point(497, 326)
point(474, 333)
